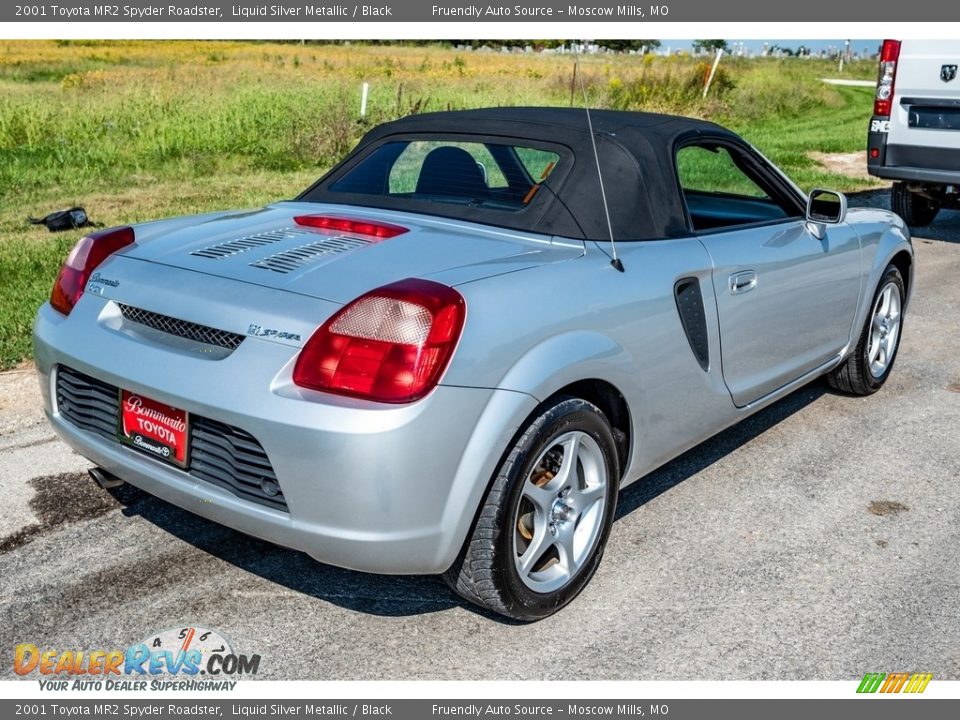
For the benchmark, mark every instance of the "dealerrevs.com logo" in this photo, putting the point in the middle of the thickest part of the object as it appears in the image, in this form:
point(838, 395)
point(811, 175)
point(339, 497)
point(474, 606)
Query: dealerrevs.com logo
point(185, 658)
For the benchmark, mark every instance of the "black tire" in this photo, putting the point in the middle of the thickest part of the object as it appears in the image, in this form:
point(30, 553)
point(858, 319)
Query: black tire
point(914, 208)
point(486, 571)
point(854, 376)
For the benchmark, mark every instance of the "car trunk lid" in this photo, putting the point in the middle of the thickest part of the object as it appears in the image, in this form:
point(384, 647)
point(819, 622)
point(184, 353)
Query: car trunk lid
point(269, 248)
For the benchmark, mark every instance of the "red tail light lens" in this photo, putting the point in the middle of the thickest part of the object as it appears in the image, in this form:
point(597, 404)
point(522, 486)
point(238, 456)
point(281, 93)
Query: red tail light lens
point(390, 345)
point(342, 224)
point(889, 54)
point(86, 255)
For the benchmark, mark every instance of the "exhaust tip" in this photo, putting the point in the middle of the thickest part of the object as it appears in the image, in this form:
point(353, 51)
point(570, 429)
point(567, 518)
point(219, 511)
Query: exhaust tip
point(104, 479)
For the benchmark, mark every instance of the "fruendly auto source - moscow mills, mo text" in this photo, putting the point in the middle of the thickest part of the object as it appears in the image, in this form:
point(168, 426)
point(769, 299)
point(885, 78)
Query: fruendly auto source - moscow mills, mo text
point(521, 11)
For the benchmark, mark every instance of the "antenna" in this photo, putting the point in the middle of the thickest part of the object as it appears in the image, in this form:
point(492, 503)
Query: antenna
point(614, 260)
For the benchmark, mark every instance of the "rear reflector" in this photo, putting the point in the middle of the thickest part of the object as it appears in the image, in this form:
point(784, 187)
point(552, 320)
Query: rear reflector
point(390, 345)
point(350, 225)
point(886, 77)
point(86, 255)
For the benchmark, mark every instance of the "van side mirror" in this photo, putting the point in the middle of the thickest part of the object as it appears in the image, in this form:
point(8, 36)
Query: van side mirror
point(825, 207)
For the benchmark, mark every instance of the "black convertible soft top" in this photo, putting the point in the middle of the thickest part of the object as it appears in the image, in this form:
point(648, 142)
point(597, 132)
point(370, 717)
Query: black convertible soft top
point(635, 149)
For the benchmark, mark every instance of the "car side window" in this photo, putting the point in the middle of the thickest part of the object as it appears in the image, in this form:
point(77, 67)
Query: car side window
point(719, 193)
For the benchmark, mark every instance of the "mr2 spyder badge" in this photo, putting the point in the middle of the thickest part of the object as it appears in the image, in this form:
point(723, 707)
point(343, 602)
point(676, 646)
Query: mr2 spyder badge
point(270, 334)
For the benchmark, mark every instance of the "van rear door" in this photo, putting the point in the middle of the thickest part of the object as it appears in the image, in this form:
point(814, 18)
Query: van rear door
point(926, 110)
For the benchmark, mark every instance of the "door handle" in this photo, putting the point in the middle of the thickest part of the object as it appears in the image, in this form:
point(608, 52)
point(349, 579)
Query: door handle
point(742, 282)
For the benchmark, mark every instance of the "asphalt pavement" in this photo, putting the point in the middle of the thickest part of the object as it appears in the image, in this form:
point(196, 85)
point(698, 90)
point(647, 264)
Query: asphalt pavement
point(817, 540)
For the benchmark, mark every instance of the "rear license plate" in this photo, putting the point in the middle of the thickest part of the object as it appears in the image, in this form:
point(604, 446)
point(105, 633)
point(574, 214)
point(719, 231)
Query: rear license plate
point(159, 430)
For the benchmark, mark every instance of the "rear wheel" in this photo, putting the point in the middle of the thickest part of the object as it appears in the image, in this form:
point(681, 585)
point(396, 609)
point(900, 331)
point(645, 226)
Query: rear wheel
point(916, 209)
point(868, 367)
point(545, 521)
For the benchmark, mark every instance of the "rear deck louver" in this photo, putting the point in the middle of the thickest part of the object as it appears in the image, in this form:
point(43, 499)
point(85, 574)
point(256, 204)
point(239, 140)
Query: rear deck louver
point(235, 247)
point(290, 260)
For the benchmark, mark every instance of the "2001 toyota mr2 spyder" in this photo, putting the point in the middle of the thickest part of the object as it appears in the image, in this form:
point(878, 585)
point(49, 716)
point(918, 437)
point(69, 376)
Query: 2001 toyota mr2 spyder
point(451, 352)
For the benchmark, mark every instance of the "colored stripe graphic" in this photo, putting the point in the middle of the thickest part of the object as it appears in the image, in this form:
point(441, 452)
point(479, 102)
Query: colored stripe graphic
point(918, 682)
point(894, 682)
point(914, 683)
point(870, 682)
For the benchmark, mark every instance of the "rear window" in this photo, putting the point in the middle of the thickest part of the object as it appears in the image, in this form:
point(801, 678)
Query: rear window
point(477, 174)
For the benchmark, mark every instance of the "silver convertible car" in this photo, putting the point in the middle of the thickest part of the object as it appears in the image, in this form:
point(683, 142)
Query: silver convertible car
point(451, 352)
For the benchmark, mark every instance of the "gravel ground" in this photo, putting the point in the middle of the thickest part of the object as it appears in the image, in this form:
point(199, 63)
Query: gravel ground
point(817, 540)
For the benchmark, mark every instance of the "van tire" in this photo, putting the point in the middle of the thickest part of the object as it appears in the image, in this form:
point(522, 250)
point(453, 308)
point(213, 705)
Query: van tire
point(917, 210)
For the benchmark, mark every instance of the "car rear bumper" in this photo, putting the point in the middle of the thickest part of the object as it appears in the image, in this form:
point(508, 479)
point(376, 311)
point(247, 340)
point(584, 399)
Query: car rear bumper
point(389, 489)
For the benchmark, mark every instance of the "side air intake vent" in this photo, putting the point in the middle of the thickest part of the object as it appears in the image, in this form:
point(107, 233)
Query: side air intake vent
point(690, 306)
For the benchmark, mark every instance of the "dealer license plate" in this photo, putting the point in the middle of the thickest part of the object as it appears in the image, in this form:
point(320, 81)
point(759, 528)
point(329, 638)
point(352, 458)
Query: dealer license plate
point(157, 429)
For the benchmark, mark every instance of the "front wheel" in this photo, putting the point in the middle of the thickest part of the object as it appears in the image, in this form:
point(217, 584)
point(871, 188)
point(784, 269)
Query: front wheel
point(545, 521)
point(868, 367)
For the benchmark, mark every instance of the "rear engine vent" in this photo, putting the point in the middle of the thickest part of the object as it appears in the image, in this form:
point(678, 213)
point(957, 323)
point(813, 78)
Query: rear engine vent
point(289, 260)
point(181, 328)
point(235, 247)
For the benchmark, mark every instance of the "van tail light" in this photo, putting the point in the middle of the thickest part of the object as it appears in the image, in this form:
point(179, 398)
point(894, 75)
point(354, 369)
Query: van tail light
point(889, 54)
point(390, 345)
point(86, 255)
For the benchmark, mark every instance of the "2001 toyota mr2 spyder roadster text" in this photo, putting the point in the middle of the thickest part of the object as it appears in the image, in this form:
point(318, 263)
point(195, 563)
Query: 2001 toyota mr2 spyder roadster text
point(451, 352)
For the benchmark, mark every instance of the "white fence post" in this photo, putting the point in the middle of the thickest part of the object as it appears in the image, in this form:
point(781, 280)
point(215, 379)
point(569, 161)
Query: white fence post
point(713, 70)
point(363, 99)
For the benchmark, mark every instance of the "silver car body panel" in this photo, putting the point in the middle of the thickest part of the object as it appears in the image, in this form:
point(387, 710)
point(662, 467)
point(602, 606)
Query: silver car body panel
point(395, 489)
point(456, 251)
point(796, 312)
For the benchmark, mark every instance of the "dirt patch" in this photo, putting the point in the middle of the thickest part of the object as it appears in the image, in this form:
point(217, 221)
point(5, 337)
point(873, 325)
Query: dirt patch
point(852, 165)
point(884, 508)
point(954, 387)
point(61, 500)
point(20, 404)
point(881, 543)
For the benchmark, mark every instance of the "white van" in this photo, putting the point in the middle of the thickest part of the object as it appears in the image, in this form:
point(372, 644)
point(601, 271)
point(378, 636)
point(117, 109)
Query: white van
point(914, 136)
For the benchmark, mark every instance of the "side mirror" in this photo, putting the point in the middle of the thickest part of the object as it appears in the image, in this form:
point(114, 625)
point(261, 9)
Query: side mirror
point(825, 207)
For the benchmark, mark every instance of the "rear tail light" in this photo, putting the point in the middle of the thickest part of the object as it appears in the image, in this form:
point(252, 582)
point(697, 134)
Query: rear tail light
point(86, 255)
point(390, 345)
point(889, 54)
point(349, 225)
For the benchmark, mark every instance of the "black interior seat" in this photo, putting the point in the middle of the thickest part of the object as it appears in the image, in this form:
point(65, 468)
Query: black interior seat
point(451, 171)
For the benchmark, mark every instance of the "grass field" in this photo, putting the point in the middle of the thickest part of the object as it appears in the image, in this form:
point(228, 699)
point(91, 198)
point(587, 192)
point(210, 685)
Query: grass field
point(141, 130)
